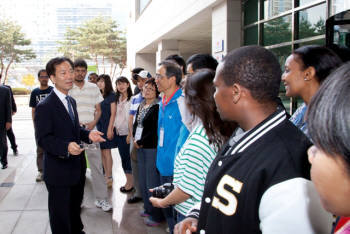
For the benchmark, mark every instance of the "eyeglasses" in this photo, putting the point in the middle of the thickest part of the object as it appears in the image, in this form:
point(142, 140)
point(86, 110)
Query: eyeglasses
point(43, 76)
point(158, 76)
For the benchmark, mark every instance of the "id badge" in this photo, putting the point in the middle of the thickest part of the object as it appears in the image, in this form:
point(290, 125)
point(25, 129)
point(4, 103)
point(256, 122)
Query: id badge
point(161, 137)
point(138, 133)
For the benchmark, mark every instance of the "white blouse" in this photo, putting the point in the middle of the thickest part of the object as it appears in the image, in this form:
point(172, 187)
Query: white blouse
point(122, 117)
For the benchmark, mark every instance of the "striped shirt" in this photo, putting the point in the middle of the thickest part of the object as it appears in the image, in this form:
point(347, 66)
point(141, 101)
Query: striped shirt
point(191, 166)
point(86, 97)
point(135, 102)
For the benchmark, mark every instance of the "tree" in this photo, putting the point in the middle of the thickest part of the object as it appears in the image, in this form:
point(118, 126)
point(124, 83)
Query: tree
point(98, 39)
point(277, 31)
point(13, 46)
point(320, 27)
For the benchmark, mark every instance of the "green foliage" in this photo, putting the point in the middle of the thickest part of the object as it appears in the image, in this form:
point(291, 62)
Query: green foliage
point(13, 46)
point(98, 38)
point(279, 30)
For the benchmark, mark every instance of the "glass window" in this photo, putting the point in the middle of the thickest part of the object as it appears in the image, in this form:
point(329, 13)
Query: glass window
point(250, 9)
point(276, 7)
point(342, 35)
point(278, 30)
point(320, 42)
point(304, 2)
point(143, 4)
point(282, 53)
point(312, 21)
point(339, 6)
point(251, 35)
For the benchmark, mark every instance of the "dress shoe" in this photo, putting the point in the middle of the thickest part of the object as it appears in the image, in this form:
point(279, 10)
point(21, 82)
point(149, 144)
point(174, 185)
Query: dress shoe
point(134, 200)
point(124, 190)
point(39, 177)
point(4, 166)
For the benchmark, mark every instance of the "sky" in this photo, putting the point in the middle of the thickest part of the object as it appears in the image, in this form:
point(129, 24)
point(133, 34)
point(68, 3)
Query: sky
point(30, 13)
point(38, 21)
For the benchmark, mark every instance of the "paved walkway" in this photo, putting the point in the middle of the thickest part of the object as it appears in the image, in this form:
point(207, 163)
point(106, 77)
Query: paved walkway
point(23, 202)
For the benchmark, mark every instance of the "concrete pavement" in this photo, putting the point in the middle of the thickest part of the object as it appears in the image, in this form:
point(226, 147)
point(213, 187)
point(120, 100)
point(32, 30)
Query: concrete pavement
point(23, 202)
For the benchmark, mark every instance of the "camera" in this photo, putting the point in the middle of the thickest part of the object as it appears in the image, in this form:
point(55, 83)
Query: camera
point(163, 190)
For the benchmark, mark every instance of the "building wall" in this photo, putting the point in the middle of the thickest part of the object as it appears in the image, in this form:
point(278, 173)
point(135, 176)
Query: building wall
point(226, 27)
point(160, 28)
point(148, 61)
point(156, 21)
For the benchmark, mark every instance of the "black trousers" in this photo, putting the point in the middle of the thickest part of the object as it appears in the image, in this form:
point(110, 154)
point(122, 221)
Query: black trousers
point(12, 139)
point(64, 208)
point(3, 146)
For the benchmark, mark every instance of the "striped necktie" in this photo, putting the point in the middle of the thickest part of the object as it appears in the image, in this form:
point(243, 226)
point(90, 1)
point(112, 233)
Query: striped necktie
point(70, 109)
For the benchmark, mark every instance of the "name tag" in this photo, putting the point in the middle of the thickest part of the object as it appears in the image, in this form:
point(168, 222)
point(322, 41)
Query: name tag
point(161, 137)
point(138, 133)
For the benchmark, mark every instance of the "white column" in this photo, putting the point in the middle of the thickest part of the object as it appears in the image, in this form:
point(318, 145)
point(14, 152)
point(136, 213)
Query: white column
point(147, 61)
point(166, 48)
point(226, 27)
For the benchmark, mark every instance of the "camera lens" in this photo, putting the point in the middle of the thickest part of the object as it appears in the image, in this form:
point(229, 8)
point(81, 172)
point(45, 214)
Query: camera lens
point(163, 190)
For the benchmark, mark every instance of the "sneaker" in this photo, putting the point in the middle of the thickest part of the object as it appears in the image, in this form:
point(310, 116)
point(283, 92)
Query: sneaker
point(98, 203)
point(107, 206)
point(104, 205)
point(39, 177)
point(143, 213)
point(150, 223)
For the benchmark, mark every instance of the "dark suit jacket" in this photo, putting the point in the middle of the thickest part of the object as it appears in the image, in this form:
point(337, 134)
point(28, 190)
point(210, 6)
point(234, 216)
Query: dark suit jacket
point(13, 102)
point(5, 106)
point(54, 131)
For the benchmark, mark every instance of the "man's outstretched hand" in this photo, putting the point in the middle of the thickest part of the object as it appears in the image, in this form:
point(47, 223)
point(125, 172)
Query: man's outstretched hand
point(96, 136)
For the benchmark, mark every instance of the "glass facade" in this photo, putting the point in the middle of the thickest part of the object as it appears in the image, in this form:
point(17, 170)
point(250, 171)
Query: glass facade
point(142, 5)
point(284, 25)
point(339, 6)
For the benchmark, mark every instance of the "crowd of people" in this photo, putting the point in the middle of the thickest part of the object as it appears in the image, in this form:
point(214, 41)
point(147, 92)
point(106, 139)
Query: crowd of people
point(207, 147)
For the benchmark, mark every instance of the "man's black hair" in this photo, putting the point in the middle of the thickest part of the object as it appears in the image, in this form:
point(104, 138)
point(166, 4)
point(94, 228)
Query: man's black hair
point(39, 72)
point(51, 65)
point(179, 60)
point(172, 69)
point(255, 68)
point(80, 63)
point(199, 61)
point(93, 74)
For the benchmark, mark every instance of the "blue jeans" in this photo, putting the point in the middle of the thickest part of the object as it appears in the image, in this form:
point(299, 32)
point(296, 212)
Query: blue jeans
point(179, 217)
point(148, 178)
point(124, 152)
point(168, 212)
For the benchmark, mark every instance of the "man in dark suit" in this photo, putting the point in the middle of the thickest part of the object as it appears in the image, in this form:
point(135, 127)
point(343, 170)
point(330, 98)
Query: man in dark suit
point(5, 122)
point(58, 132)
point(9, 132)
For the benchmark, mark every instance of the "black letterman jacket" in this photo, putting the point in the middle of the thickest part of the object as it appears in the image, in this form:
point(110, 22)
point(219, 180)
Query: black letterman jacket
point(261, 184)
